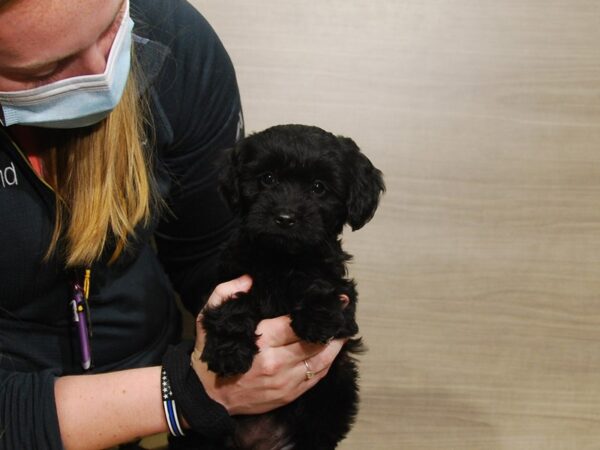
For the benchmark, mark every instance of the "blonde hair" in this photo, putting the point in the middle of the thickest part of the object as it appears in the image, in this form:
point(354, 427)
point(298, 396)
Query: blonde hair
point(103, 181)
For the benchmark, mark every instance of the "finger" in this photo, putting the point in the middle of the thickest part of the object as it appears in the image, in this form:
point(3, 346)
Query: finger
point(200, 334)
point(312, 370)
point(221, 293)
point(297, 352)
point(228, 289)
point(344, 299)
point(275, 332)
point(323, 360)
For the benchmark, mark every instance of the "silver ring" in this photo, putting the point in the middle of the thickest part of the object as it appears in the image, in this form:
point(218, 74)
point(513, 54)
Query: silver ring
point(309, 373)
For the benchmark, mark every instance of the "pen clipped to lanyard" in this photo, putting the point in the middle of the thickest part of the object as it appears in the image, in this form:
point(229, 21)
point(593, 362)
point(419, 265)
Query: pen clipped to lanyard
point(79, 306)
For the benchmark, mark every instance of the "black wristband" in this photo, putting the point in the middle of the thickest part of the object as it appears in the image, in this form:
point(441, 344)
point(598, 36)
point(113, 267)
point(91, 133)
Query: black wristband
point(204, 415)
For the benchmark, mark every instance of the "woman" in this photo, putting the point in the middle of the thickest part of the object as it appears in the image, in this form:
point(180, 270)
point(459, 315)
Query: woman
point(113, 115)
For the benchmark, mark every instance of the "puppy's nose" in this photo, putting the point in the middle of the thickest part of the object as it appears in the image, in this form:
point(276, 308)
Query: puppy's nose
point(285, 220)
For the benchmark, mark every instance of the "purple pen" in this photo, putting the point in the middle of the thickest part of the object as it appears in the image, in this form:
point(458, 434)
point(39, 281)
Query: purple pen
point(80, 318)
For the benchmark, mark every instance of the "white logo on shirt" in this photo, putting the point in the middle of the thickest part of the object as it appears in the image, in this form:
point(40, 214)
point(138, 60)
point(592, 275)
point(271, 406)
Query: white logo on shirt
point(8, 176)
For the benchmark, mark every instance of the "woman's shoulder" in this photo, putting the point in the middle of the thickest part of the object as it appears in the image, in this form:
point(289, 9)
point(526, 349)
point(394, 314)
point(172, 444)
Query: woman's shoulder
point(186, 64)
point(175, 23)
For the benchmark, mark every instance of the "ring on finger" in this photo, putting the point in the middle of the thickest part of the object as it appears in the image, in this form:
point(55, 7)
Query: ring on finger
point(309, 373)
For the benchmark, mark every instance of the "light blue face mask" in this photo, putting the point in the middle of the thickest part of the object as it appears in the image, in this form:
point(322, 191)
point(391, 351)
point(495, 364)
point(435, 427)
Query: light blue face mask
point(78, 101)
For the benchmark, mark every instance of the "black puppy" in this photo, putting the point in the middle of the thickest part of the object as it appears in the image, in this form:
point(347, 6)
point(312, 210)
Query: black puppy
point(293, 188)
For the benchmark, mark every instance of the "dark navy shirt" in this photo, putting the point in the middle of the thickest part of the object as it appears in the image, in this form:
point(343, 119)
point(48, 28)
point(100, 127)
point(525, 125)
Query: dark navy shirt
point(192, 92)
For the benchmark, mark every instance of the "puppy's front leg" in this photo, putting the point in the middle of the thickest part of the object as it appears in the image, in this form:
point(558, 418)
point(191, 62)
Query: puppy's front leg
point(320, 314)
point(230, 343)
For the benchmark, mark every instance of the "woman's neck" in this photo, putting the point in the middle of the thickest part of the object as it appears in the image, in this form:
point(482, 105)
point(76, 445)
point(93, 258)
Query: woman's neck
point(32, 140)
point(35, 143)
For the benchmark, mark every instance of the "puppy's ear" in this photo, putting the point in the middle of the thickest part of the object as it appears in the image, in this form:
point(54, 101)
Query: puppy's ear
point(229, 177)
point(365, 185)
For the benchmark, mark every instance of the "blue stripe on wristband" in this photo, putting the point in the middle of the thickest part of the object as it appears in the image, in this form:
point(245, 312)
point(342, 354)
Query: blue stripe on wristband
point(176, 414)
point(172, 418)
point(169, 423)
point(170, 406)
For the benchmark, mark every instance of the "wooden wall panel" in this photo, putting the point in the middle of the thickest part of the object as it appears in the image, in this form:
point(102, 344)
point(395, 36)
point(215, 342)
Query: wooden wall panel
point(480, 275)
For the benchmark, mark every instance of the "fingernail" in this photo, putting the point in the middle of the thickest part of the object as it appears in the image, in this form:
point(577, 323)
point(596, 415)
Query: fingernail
point(244, 282)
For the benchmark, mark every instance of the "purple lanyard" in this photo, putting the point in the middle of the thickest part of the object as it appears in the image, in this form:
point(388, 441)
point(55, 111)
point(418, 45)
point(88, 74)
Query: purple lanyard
point(80, 310)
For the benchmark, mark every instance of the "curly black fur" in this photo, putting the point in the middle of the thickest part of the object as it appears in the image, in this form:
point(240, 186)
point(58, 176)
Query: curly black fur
point(293, 188)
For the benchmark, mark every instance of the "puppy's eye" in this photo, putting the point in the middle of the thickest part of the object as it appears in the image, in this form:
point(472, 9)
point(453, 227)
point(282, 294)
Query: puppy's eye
point(268, 179)
point(318, 187)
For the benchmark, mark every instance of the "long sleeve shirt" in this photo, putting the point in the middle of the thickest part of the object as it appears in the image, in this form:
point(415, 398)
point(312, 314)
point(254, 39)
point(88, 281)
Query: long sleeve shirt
point(190, 85)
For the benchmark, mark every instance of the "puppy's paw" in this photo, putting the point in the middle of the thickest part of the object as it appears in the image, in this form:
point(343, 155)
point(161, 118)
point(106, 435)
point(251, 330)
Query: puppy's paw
point(321, 313)
point(226, 357)
point(230, 343)
point(317, 324)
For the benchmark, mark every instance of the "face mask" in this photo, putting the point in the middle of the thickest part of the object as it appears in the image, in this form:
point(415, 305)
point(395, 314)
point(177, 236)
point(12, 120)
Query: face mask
point(78, 101)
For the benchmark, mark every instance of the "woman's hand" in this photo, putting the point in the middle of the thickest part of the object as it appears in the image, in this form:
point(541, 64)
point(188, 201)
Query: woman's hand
point(278, 374)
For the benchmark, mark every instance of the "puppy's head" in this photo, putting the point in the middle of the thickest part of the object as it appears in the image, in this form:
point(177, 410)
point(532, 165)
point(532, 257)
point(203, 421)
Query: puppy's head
point(298, 185)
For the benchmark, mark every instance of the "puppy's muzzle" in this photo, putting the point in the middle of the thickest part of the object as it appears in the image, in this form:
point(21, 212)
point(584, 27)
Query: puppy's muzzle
point(285, 219)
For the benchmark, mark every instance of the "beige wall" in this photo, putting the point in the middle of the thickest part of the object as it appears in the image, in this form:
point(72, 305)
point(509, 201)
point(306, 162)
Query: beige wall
point(480, 275)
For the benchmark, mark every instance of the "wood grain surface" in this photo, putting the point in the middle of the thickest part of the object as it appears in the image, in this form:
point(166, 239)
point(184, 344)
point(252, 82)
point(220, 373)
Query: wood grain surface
point(479, 277)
